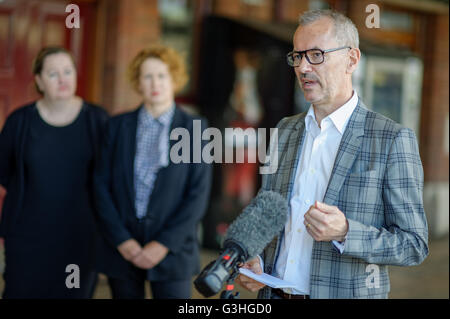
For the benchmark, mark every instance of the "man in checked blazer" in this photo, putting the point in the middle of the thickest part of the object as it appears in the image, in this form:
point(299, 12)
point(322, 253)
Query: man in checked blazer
point(353, 180)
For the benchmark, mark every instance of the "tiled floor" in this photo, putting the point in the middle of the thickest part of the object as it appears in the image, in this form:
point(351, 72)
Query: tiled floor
point(428, 280)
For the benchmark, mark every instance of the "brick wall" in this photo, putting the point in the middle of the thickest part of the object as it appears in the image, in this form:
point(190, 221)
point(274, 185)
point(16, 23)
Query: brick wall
point(435, 102)
point(131, 25)
point(240, 9)
point(290, 10)
point(434, 125)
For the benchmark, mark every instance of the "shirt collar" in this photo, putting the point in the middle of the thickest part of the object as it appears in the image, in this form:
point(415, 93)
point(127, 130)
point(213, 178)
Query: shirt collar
point(165, 118)
point(310, 118)
point(339, 117)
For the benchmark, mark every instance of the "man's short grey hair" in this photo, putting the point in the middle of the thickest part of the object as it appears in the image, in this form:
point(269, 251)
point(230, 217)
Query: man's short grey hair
point(344, 29)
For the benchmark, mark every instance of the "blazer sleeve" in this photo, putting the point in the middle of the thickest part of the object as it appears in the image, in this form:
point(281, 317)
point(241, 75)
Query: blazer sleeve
point(108, 218)
point(6, 152)
point(192, 207)
point(403, 241)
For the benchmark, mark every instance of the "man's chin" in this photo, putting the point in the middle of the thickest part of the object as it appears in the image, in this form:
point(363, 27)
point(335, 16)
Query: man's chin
point(310, 98)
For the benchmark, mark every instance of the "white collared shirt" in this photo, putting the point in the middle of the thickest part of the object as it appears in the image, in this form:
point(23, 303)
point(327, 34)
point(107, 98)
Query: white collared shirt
point(313, 172)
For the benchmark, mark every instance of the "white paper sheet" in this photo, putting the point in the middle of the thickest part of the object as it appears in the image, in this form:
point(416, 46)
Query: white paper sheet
point(266, 279)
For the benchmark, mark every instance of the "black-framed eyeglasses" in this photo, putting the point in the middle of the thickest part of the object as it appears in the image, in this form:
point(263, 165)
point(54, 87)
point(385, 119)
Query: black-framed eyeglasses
point(314, 56)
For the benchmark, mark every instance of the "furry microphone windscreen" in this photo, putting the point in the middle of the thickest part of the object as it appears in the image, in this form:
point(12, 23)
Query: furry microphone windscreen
point(259, 223)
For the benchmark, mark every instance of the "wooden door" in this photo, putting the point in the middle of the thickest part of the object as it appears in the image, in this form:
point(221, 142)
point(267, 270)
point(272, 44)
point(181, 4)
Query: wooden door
point(25, 27)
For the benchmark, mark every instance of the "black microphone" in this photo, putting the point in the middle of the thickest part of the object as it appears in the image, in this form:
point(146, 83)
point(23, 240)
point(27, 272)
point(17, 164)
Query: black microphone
point(247, 236)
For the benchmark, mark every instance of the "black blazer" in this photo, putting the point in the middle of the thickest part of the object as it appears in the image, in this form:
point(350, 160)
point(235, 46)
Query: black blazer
point(177, 203)
point(12, 146)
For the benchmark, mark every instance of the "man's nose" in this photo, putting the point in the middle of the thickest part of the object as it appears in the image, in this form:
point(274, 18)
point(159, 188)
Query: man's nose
point(304, 66)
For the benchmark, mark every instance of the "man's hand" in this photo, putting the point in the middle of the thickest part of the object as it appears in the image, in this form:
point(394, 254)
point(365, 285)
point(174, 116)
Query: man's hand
point(249, 283)
point(151, 255)
point(129, 249)
point(326, 223)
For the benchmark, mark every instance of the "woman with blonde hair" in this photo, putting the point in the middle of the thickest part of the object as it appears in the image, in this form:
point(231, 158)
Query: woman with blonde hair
point(149, 206)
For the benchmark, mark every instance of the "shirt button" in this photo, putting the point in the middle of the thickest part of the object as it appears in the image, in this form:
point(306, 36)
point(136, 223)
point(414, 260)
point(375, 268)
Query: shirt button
point(312, 171)
point(291, 261)
point(299, 230)
point(307, 202)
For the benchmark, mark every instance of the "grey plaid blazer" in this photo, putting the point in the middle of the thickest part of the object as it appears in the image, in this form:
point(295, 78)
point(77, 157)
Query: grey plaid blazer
point(377, 182)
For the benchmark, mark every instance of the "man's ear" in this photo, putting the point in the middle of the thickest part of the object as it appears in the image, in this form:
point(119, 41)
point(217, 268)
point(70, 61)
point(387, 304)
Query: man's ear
point(354, 57)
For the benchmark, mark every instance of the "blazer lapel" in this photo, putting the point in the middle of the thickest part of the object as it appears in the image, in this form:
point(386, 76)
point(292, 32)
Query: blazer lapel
point(163, 178)
point(347, 152)
point(293, 153)
point(290, 148)
point(290, 151)
point(129, 152)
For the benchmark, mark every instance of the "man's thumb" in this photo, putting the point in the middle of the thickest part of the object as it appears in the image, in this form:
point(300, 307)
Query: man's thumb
point(255, 266)
point(323, 207)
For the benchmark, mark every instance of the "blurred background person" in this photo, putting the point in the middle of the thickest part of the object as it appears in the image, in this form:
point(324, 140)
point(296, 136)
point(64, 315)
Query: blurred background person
point(149, 206)
point(245, 111)
point(47, 154)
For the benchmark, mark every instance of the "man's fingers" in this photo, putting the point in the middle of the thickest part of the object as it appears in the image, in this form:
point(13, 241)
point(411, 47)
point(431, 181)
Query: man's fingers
point(256, 268)
point(310, 220)
point(247, 280)
point(253, 265)
point(313, 228)
point(255, 287)
point(313, 218)
point(249, 283)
